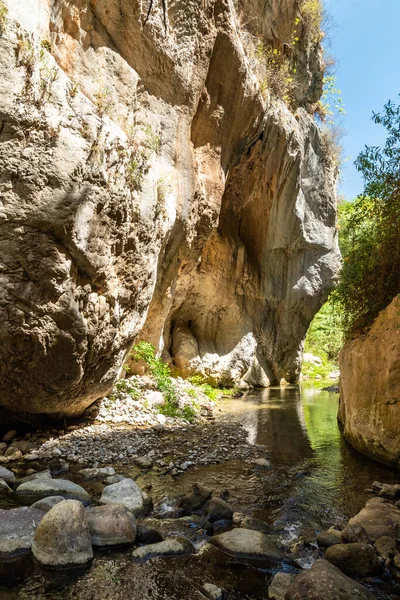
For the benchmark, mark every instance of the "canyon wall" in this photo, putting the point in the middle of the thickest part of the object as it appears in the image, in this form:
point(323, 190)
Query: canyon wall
point(369, 408)
point(152, 188)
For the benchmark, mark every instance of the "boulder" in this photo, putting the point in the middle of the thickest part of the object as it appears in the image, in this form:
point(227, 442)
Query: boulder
point(378, 518)
point(62, 538)
point(387, 490)
point(279, 586)
point(255, 524)
point(7, 475)
point(5, 489)
point(47, 503)
point(111, 525)
point(354, 559)
point(370, 388)
point(195, 499)
point(330, 537)
point(386, 548)
point(247, 543)
point(323, 581)
point(32, 491)
point(171, 546)
point(219, 510)
point(46, 474)
point(17, 527)
point(99, 473)
point(147, 535)
point(144, 462)
point(353, 533)
point(125, 492)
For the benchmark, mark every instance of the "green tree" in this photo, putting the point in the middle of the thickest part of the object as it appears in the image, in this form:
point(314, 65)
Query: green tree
point(370, 231)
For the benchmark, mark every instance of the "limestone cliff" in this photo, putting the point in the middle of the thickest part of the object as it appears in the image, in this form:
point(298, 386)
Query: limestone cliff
point(150, 187)
point(369, 408)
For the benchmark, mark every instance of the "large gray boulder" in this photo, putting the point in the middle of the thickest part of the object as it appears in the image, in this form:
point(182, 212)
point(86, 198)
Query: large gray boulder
point(63, 537)
point(111, 525)
point(171, 546)
point(32, 491)
point(125, 492)
point(248, 543)
point(323, 581)
point(355, 560)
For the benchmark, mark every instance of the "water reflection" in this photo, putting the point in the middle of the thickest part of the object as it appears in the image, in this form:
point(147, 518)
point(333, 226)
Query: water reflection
point(317, 477)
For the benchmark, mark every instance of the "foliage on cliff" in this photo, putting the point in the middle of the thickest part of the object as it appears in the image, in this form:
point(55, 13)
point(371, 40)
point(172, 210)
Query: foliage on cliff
point(370, 231)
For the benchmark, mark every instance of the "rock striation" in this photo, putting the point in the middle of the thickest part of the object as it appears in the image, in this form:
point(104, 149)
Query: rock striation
point(152, 188)
point(369, 409)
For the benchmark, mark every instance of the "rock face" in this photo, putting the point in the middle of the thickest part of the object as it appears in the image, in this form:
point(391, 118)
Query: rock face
point(149, 188)
point(369, 408)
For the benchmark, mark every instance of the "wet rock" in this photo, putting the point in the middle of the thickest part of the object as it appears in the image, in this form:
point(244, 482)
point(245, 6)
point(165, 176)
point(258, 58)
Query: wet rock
point(24, 446)
point(171, 546)
point(144, 462)
point(7, 475)
point(255, 525)
point(34, 477)
point(9, 436)
point(12, 453)
point(125, 492)
point(247, 543)
point(189, 527)
point(47, 503)
point(113, 479)
point(378, 518)
point(279, 586)
point(328, 538)
point(100, 473)
point(354, 559)
point(58, 466)
point(262, 462)
point(323, 581)
point(386, 548)
point(32, 491)
point(62, 538)
point(196, 499)
point(147, 535)
point(387, 490)
point(212, 592)
point(111, 525)
point(17, 527)
point(219, 510)
point(5, 489)
point(352, 534)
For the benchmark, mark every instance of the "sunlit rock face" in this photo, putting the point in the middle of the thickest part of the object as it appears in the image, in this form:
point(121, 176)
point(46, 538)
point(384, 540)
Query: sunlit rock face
point(369, 409)
point(148, 190)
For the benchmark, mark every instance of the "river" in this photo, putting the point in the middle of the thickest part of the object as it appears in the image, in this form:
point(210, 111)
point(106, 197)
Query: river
point(315, 480)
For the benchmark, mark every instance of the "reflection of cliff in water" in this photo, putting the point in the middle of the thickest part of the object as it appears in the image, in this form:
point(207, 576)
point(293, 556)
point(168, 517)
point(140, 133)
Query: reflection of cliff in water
point(279, 422)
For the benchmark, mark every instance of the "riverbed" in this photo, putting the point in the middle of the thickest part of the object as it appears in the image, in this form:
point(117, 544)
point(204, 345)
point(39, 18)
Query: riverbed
point(314, 480)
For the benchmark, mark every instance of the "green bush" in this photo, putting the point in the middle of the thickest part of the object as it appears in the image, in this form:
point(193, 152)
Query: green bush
point(370, 231)
point(325, 335)
point(162, 375)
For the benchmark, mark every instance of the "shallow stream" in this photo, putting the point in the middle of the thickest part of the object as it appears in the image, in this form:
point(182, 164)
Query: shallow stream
point(315, 480)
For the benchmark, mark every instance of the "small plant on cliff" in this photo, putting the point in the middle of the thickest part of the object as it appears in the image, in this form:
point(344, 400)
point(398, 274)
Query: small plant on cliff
point(370, 231)
point(3, 17)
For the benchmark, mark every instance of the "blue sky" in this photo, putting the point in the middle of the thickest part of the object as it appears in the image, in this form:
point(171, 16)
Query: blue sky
point(365, 42)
